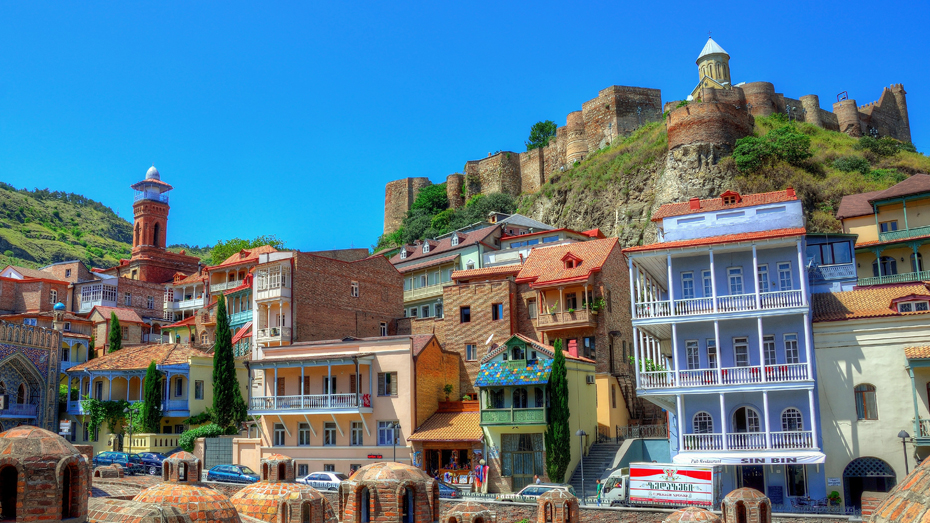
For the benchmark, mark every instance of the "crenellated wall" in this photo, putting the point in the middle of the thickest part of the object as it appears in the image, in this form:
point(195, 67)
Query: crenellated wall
point(718, 123)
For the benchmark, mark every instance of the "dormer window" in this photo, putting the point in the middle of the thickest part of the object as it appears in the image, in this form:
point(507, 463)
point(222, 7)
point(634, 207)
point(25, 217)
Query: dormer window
point(571, 261)
point(403, 254)
point(913, 306)
point(425, 247)
point(730, 197)
point(455, 239)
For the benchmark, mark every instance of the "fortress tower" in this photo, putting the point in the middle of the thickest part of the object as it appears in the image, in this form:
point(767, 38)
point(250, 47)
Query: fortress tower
point(713, 68)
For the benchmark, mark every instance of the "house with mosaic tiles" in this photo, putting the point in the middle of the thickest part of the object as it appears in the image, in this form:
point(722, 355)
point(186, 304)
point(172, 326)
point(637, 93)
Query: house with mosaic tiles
point(29, 375)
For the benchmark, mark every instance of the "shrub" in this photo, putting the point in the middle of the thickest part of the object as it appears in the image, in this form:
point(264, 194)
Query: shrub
point(783, 143)
point(884, 146)
point(849, 164)
point(681, 104)
point(887, 176)
point(186, 441)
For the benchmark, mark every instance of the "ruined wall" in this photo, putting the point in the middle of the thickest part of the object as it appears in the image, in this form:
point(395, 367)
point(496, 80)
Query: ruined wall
point(497, 173)
point(454, 192)
point(617, 111)
point(398, 197)
point(532, 169)
point(888, 115)
point(715, 123)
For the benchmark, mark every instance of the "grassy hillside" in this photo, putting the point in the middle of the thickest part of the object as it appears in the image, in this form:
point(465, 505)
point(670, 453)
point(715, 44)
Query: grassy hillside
point(41, 227)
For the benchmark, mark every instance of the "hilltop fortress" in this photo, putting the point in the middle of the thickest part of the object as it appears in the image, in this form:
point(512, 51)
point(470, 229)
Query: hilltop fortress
point(715, 113)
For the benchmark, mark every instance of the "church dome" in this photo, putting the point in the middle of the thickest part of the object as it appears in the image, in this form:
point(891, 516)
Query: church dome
point(711, 47)
point(152, 174)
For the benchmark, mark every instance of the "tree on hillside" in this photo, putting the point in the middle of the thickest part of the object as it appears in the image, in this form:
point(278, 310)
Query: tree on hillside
point(225, 249)
point(540, 134)
point(558, 436)
point(116, 334)
point(228, 405)
point(151, 407)
point(432, 198)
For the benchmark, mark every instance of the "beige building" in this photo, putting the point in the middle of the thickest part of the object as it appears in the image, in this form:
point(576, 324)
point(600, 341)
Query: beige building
point(869, 390)
point(341, 404)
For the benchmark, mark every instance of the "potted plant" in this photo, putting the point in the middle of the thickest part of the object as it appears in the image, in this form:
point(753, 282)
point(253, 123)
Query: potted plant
point(571, 311)
point(448, 390)
point(834, 498)
point(597, 305)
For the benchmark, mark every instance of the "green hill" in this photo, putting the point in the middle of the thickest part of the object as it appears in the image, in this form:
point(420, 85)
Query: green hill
point(40, 227)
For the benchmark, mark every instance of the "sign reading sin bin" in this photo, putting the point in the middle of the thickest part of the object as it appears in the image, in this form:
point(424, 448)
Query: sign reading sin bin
point(672, 484)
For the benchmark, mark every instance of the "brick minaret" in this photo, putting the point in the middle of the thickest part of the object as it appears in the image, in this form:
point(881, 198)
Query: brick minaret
point(151, 212)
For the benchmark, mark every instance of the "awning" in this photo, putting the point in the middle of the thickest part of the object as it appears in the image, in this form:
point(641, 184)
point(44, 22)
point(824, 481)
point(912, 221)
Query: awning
point(450, 426)
point(750, 457)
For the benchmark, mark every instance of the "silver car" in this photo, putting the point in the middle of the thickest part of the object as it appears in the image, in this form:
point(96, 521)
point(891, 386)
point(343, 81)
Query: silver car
point(323, 480)
point(530, 493)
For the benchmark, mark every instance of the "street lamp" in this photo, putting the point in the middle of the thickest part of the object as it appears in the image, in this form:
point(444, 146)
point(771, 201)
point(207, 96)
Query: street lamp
point(394, 426)
point(581, 434)
point(904, 436)
point(129, 411)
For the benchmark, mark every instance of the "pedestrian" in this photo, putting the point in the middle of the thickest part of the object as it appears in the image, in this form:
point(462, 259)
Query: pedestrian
point(536, 479)
point(599, 487)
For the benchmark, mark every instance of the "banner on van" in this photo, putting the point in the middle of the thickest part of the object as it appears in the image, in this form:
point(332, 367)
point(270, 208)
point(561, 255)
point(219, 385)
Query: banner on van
point(670, 485)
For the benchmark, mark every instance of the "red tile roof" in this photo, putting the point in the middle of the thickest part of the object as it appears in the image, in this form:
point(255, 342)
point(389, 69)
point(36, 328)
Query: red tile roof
point(861, 204)
point(194, 277)
point(415, 252)
point(190, 320)
point(429, 263)
point(546, 265)
point(244, 256)
point(139, 357)
point(865, 302)
point(244, 332)
point(715, 240)
point(503, 270)
point(541, 347)
point(716, 204)
point(872, 243)
point(450, 426)
point(917, 353)
point(420, 342)
point(123, 315)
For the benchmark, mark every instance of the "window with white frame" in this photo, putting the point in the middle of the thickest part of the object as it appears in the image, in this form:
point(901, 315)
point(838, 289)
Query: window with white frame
point(303, 434)
point(386, 431)
point(768, 349)
point(279, 434)
point(791, 420)
point(455, 240)
point(702, 423)
point(792, 354)
point(424, 311)
point(67, 273)
point(763, 278)
point(687, 285)
point(422, 280)
point(127, 299)
point(356, 435)
point(425, 247)
point(470, 265)
point(438, 308)
point(784, 276)
point(53, 296)
point(735, 279)
point(150, 302)
point(303, 470)
point(471, 352)
point(354, 290)
point(693, 350)
point(741, 351)
point(384, 329)
point(403, 254)
point(531, 308)
point(708, 284)
point(712, 353)
point(413, 312)
point(329, 434)
point(912, 306)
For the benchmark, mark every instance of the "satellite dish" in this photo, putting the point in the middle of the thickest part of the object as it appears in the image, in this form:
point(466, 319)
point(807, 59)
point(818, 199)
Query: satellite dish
point(491, 337)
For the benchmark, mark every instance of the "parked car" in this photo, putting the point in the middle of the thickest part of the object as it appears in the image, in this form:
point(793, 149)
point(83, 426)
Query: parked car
point(131, 463)
point(232, 474)
point(530, 493)
point(151, 461)
point(323, 480)
point(447, 491)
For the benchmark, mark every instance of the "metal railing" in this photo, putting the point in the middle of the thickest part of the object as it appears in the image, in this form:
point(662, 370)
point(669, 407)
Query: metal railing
point(905, 277)
point(174, 405)
point(653, 309)
point(788, 372)
point(740, 375)
point(306, 402)
point(781, 299)
point(702, 442)
point(240, 317)
point(746, 440)
point(691, 306)
point(793, 440)
point(657, 379)
point(923, 426)
point(841, 271)
point(905, 234)
point(731, 303)
point(273, 333)
point(642, 431)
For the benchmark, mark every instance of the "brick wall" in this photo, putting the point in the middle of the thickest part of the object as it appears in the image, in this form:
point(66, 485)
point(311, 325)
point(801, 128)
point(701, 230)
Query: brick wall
point(139, 292)
point(532, 169)
point(399, 195)
point(435, 368)
point(133, 334)
point(618, 111)
point(716, 123)
point(25, 295)
point(871, 501)
point(324, 308)
point(346, 255)
point(154, 264)
point(79, 272)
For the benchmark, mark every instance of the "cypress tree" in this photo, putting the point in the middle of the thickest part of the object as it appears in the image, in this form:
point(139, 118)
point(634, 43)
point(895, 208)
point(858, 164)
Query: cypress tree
point(558, 436)
point(91, 350)
point(227, 401)
point(151, 406)
point(116, 334)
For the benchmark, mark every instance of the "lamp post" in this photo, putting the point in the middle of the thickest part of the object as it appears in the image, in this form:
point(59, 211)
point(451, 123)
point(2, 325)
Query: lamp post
point(904, 435)
point(128, 410)
point(581, 434)
point(394, 426)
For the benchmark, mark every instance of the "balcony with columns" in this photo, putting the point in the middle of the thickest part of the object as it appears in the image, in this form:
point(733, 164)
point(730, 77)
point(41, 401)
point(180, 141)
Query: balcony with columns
point(128, 385)
point(273, 323)
point(566, 307)
point(312, 385)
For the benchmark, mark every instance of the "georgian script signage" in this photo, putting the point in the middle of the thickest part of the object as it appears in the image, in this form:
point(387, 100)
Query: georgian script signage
point(668, 484)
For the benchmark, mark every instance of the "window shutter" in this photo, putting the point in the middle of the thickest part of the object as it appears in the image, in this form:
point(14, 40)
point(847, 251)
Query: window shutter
point(306, 385)
point(352, 384)
point(280, 386)
point(380, 384)
point(393, 384)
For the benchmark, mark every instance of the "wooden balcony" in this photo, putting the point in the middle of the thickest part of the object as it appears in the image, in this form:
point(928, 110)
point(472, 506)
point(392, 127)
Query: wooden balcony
point(311, 404)
point(906, 277)
point(725, 304)
point(511, 416)
point(547, 321)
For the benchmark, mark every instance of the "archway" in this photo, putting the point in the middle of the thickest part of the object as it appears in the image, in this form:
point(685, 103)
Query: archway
point(156, 235)
point(409, 509)
point(9, 483)
point(265, 472)
point(365, 505)
point(70, 488)
point(866, 474)
point(740, 512)
point(182, 471)
point(282, 472)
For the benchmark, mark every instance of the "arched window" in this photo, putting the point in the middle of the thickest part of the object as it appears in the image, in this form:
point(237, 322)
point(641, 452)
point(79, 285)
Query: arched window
point(283, 512)
point(365, 506)
point(9, 482)
point(182, 472)
point(137, 234)
point(156, 235)
point(21, 394)
point(265, 472)
point(703, 423)
point(746, 419)
point(409, 507)
point(740, 512)
point(470, 265)
point(917, 262)
point(791, 420)
point(889, 266)
point(866, 403)
point(519, 398)
point(282, 472)
point(517, 353)
point(69, 491)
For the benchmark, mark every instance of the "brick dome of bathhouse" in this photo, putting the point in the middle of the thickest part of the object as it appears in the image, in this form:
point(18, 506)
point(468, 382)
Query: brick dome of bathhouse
point(389, 493)
point(58, 477)
point(909, 500)
point(182, 489)
point(747, 505)
point(557, 506)
point(692, 514)
point(469, 512)
point(277, 498)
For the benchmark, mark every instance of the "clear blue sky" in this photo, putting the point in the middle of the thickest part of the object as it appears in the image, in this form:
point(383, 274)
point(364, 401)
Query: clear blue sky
point(288, 119)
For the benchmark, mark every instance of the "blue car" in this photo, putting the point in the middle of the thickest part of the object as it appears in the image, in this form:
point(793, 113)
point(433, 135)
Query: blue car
point(151, 461)
point(131, 463)
point(232, 474)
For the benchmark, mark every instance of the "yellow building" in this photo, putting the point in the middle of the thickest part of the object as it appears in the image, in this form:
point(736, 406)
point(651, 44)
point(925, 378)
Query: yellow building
point(713, 68)
point(514, 397)
point(187, 390)
point(894, 231)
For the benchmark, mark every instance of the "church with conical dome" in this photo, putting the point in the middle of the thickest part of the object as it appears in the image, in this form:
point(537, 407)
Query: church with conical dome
point(713, 68)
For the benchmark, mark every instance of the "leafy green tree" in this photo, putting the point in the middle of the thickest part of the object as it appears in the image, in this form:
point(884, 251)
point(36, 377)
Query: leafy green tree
point(116, 334)
point(558, 436)
point(784, 143)
point(540, 134)
point(91, 350)
point(431, 198)
point(225, 249)
point(227, 400)
point(151, 410)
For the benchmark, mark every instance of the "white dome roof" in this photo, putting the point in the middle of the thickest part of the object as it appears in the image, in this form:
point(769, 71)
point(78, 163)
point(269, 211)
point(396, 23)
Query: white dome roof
point(152, 174)
point(712, 47)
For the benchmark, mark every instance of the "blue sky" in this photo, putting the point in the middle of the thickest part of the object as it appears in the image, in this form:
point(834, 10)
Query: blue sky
point(289, 118)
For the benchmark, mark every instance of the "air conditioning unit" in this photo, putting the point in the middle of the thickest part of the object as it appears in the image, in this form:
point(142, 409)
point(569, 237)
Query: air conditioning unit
point(589, 379)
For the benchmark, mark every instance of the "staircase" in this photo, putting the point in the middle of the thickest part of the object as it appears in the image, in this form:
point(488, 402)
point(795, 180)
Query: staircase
point(600, 458)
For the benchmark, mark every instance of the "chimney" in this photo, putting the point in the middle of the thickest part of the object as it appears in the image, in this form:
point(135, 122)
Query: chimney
point(790, 192)
point(695, 204)
point(573, 347)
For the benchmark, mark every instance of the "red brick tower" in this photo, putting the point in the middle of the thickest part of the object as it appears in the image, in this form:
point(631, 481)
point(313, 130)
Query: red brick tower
point(151, 212)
